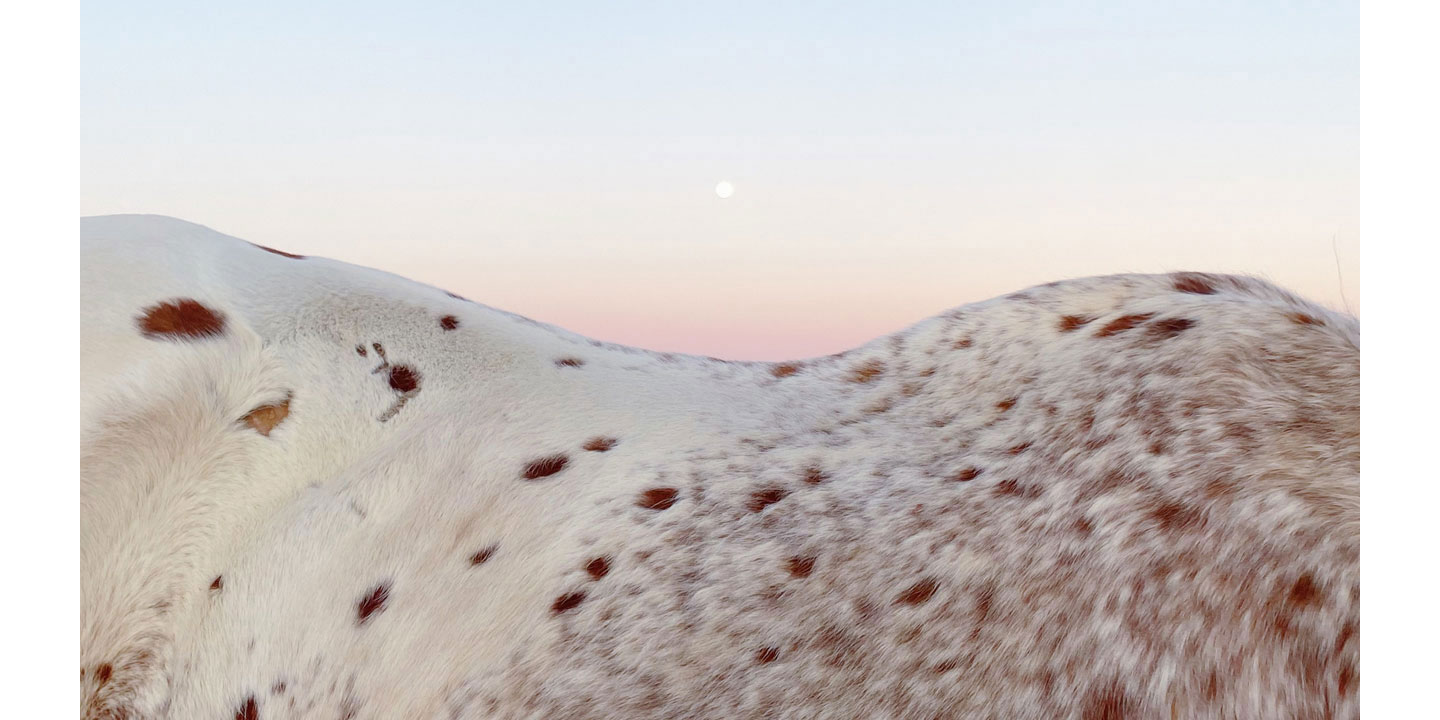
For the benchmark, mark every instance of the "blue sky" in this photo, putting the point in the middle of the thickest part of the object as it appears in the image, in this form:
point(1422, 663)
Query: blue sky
point(999, 143)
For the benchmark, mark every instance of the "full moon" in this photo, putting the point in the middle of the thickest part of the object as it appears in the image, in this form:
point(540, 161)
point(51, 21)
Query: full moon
point(724, 189)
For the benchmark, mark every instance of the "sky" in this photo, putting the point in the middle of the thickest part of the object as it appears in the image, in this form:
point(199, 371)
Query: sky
point(889, 160)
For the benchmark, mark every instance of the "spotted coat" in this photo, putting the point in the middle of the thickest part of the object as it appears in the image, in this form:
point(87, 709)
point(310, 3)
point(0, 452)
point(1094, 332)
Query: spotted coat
point(313, 490)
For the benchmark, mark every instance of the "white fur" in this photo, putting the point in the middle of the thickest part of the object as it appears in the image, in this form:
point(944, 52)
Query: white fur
point(1164, 523)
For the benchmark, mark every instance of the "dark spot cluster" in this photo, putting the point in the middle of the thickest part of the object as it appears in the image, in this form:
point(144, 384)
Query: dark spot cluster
point(567, 602)
point(449, 322)
point(569, 362)
point(181, 319)
point(1194, 284)
point(657, 498)
point(1017, 489)
point(784, 369)
point(545, 467)
point(866, 371)
point(967, 474)
point(1304, 592)
point(248, 710)
point(814, 475)
point(1108, 702)
point(597, 567)
point(600, 444)
point(764, 497)
point(918, 593)
point(1123, 323)
point(373, 602)
point(1070, 323)
point(483, 554)
point(404, 378)
point(1178, 516)
point(1169, 327)
point(800, 566)
point(218, 583)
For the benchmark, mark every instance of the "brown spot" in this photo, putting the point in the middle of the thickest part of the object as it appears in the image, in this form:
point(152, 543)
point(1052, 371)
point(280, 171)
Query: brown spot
point(1193, 283)
point(598, 567)
point(945, 666)
point(102, 673)
point(785, 369)
point(814, 476)
point(963, 343)
point(764, 497)
point(600, 444)
point(1017, 449)
point(1108, 703)
point(360, 349)
point(867, 371)
point(1300, 318)
point(263, 419)
point(569, 362)
point(1013, 488)
point(1304, 592)
point(372, 603)
point(766, 655)
point(545, 467)
point(1178, 516)
point(249, 710)
point(278, 688)
point(657, 498)
point(1169, 327)
point(1070, 323)
point(292, 256)
point(1347, 680)
point(800, 566)
point(1346, 632)
point(483, 554)
point(218, 583)
point(967, 474)
point(919, 592)
point(403, 378)
point(449, 322)
point(1006, 404)
point(568, 601)
point(1123, 323)
point(182, 318)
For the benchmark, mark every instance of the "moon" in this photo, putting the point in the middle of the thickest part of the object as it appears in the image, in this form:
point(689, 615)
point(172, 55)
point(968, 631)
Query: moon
point(724, 189)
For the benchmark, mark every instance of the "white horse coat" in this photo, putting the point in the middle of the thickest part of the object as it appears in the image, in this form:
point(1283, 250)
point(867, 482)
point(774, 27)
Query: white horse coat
point(314, 490)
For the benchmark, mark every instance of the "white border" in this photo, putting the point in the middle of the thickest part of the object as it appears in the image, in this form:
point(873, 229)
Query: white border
point(39, 184)
point(39, 59)
point(1399, 206)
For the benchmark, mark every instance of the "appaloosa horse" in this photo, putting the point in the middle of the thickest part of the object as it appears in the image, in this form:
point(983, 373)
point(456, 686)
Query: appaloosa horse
point(315, 490)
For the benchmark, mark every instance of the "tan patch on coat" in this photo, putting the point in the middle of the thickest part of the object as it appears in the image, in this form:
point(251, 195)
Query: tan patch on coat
point(265, 418)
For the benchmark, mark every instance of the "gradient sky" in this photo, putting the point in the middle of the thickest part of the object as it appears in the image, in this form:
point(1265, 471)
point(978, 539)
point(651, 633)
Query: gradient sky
point(890, 160)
